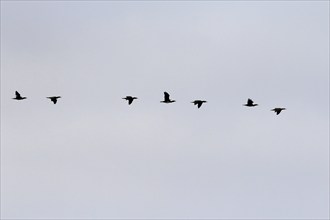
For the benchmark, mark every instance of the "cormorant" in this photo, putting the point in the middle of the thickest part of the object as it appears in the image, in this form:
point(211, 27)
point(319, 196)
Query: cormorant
point(167, 98)
point(278, 110)
point(18, 96)
point(250, 103)
point(199, 103)
point(130, 99)
point(54, 98)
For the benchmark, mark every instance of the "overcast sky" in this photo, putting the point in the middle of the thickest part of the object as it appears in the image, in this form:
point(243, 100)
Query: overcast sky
point(93, 156)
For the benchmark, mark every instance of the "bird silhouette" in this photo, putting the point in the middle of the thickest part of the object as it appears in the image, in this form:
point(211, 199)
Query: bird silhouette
point(278, 110)
point(18, 96)
point(130, 99)
point(54, 98)
point(250, 103)
point(167, 98)
point(199, 103)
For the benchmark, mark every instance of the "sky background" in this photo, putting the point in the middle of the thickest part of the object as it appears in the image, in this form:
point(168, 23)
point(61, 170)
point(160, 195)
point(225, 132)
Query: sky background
point(93, 156)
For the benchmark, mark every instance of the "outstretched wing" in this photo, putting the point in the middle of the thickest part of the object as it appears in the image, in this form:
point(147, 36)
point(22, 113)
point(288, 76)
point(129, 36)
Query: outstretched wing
point(166, 96)
point(277, 110)
point(130, 100)
point(53, 98)
point(249, 102)
point(17, 94)
point(199, 104)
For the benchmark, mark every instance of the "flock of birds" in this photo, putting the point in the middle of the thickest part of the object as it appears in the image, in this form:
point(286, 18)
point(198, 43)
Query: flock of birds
point(167, 99)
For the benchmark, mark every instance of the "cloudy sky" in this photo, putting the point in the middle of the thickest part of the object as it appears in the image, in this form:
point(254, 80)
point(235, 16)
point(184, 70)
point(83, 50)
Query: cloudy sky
point(93, 156)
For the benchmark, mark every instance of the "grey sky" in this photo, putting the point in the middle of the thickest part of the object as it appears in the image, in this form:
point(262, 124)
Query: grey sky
point(93, 156)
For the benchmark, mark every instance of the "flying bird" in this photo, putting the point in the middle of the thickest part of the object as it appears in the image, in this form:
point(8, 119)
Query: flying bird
point(167, 98)
point(250, 103)
point(199, 103)
point(278, 110)
point(130, 99)
point(18, 96)
point(54, 98)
